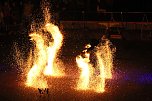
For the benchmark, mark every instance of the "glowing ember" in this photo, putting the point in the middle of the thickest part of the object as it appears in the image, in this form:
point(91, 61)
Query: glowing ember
point(89, 78)
point(45, 60)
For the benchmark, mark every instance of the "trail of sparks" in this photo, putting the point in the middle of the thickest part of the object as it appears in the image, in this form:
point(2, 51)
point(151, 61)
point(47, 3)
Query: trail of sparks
point(84, 77)
point(35, 77)
point(53, 49)
point(89, 79)
point(45, 55)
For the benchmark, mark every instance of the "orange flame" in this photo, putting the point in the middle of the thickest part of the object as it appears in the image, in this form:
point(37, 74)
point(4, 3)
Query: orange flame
point(84, 77)
point(88, 78)
point(86, 68)
point(35, 78)
point(45, 62)
point(105, 53)
point(101, 81)
point(53, 49)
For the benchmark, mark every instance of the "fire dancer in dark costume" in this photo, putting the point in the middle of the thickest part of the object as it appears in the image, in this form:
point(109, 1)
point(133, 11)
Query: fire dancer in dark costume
point(93, 49)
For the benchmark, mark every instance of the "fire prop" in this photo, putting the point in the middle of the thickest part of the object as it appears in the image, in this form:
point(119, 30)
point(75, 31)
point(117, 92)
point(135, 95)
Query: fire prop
point(45, 53)
point(93, 74)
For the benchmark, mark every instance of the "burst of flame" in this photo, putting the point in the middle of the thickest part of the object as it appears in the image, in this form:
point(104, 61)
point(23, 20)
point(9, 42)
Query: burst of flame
point(83, 63)
point(84, 77)
point(100, 87)
point(105, 53)
point(35, 78)
point(45, 55)
point(53, 49)
point(89, 79)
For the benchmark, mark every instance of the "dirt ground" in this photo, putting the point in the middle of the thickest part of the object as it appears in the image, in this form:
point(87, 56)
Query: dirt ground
point(132, 73)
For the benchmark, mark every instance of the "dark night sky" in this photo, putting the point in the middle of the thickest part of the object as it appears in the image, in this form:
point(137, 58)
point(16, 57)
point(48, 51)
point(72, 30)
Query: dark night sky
point(120, 5)
point(109, 5)
point(131, 5)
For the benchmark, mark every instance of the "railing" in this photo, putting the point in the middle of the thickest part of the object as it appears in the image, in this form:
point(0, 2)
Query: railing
point(107, 16)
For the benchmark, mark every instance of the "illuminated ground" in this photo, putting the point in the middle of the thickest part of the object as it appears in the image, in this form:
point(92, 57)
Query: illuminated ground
point(132, 78)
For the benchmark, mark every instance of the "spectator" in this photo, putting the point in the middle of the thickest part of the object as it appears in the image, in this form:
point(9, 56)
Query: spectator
point(16, 11)
point(27, 13)
point(27, 9)
point(1, 16)
point(7, 15)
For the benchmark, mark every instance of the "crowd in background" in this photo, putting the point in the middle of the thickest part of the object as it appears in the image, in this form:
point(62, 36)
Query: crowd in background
point(17, 11)
point(14, 12)
point(23, 12)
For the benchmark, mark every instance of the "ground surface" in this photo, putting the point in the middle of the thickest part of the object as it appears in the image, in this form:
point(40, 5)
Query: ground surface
point(132, 75)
